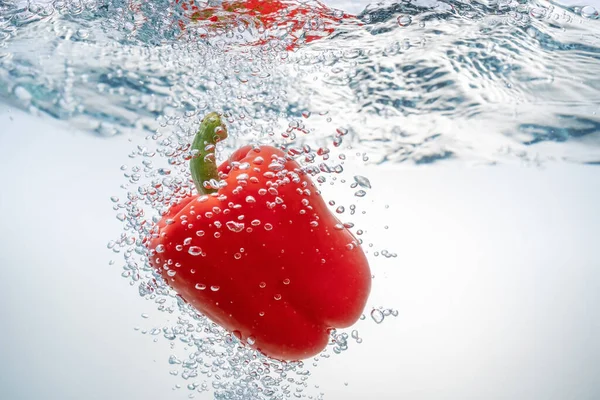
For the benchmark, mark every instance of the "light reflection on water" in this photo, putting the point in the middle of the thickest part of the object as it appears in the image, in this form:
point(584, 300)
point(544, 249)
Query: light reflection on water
point(417, 81)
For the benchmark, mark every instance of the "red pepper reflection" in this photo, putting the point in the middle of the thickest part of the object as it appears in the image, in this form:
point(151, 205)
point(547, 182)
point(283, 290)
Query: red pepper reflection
point(287, 22)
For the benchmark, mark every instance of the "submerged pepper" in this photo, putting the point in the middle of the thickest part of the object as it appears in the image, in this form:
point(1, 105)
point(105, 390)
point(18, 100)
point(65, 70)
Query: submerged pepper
point(258, 251)
point(288, 21)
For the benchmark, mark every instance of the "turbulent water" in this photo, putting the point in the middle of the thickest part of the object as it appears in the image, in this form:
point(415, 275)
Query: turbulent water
point(419, 81)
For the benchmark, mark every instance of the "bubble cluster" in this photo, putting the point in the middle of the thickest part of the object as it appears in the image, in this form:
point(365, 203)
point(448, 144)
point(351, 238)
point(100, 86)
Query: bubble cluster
point(455, 69)
point(156, 178)
point(218, 362)
point(379, 314)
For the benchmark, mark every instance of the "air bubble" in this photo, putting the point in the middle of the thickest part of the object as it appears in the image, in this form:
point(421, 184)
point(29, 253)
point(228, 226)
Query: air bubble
point(275, 166)
point(362, 181)
point(404, 20)
point(377, 315)
point(589, 12)
point(195, 250)
point(235, 226)
point(537, 12)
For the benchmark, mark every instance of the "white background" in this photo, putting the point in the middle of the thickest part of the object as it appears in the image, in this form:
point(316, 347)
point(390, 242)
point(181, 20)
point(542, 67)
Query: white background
point(497, 280)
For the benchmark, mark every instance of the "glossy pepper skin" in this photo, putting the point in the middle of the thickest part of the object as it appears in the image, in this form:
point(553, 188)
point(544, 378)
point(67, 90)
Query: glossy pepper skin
point(262, 256)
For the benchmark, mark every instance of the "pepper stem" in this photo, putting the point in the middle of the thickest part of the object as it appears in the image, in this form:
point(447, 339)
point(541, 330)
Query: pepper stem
point(203, 165)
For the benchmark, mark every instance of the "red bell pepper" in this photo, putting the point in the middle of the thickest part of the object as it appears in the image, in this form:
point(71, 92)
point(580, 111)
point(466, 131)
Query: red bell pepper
point(286, 22)
point(258, 251)
point(289, 20)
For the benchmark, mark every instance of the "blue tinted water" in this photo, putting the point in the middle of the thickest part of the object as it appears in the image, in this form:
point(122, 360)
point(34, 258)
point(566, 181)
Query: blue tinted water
point(412, 81)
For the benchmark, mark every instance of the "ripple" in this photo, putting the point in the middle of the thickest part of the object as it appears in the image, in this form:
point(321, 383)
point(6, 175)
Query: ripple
point(461, 78)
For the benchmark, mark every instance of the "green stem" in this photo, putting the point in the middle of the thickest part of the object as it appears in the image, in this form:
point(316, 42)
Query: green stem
point(204, 164)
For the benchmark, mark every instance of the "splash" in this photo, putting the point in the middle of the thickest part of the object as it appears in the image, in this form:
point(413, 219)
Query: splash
point(414, 82)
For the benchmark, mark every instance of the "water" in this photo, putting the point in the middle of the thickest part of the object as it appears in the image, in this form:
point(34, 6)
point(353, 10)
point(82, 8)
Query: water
point(415, 82)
